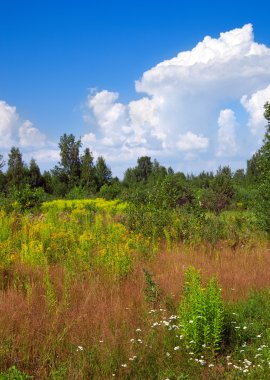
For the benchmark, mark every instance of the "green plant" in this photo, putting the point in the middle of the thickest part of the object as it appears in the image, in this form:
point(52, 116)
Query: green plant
point(201, 313)
point(152, 290)
point(14, 374)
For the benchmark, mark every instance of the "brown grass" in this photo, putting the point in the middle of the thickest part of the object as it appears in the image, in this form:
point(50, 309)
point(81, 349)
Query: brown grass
point(35, 335)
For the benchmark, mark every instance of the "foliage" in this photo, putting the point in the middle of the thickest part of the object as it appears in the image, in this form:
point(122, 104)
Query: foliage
point(263, 202)
point(15, 171)
point(220, 191)
point(28, 198)
point(14, 374)
point(88, 180)
point(201, 314)
point(70, 159)
point(103, 173)
point(152, 290)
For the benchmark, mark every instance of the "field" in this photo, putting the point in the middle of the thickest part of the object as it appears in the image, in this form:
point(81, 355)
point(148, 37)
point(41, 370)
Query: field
point(95, 289)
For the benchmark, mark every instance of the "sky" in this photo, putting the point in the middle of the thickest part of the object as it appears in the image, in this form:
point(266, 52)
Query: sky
point(182, 82)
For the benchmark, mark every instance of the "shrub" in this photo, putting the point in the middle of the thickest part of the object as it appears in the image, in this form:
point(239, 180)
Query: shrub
point(201, 313)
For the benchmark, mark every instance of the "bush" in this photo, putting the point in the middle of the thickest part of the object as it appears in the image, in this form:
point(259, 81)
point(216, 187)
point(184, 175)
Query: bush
point(28, 198)
point(201, 314)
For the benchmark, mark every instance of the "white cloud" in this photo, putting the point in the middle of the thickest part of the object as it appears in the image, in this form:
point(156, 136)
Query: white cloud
point(189, 142)
point(89, 138)
point(254, 106)
point(14, 131)
point(44, 155)
point(227, 145)
point(178, 114)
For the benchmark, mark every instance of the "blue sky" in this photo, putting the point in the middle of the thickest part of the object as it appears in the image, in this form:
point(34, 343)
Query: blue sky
point(53, 52)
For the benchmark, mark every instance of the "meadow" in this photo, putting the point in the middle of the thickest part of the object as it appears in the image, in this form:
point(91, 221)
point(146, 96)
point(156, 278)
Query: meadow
point(95, 289)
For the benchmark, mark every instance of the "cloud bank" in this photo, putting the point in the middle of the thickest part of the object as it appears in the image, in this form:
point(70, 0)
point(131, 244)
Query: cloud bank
point(190, 105)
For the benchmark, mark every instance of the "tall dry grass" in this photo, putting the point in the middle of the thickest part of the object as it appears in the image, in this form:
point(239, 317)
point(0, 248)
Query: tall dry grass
point(101, 314)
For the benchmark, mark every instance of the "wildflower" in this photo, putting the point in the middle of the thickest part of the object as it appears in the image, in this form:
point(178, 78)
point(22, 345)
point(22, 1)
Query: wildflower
point(191, 321)
point(202, 362)
point(211, 365)
point(124, 365)
point(139, 340)
point(138, 330)
point(259, 336)
point(79, 348)
point(168, 354)
point(101, 341)
point(132, 340)
point(245, 327)
point(176, 348)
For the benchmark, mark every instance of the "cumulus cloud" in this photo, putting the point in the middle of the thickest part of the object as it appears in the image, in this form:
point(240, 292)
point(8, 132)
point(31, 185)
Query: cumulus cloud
point(189, 142)
point(227, 145)
point(189, 104)
point(254, 106)
point(14, 131)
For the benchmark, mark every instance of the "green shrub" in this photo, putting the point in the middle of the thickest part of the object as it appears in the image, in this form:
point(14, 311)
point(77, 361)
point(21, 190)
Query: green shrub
point(14, 374)
point(201, 314)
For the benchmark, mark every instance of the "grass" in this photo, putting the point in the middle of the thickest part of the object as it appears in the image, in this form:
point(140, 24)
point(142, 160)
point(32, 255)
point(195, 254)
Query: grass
point(76, 302)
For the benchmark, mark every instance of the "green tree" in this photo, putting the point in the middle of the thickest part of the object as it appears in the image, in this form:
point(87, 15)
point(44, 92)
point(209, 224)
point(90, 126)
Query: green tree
point(2, 175)
point(88, 180)
point(253, 168)
point(2, 162)
point(16, 169)
point(70, 159)
point(220, 191)
point(47, 182)
point(263, 204)
point(35, 177)
point(144, 168)
point(103, 173)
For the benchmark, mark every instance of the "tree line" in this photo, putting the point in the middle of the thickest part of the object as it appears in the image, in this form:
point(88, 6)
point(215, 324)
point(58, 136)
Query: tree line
point(80, 176)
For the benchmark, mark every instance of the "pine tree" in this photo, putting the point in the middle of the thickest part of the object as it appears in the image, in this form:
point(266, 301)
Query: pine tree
point(16, 169)
point(88, 180)
point(35, 177)
point(103, 173)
